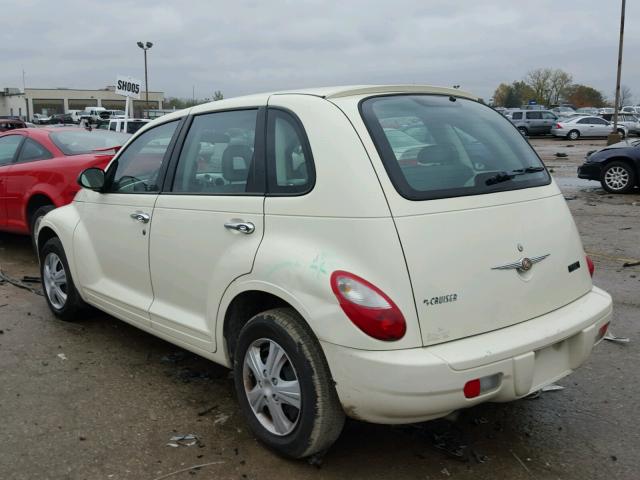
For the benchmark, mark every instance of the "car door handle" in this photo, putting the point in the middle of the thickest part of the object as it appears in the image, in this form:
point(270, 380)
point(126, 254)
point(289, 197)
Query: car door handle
point(140, 217)
point(242, 227)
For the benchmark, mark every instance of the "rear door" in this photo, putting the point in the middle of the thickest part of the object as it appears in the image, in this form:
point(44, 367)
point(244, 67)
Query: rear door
point(466, 220)
point(208, 222)
point(9, 147)
point(534, 122)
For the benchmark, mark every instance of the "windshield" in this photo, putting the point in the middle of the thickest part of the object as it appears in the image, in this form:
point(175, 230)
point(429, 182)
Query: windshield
point(77, 142)
point(459, 147)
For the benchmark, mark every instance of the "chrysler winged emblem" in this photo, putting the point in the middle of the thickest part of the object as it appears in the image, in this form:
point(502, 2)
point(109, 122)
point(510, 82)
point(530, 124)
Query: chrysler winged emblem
point(522, 265)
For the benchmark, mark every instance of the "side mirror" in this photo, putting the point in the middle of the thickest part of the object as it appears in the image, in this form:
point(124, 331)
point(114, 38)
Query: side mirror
point(92, 178)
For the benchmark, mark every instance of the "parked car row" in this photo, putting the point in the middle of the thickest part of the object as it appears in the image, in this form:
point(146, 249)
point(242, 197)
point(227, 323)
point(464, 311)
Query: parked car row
point(573, 126)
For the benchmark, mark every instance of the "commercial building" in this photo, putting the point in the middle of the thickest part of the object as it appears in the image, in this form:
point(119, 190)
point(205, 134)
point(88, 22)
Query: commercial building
point(15, 102)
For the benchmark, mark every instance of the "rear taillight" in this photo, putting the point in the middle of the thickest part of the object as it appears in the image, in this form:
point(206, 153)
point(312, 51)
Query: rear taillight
point(590, 266)
point(558, 125)
point(368, 307)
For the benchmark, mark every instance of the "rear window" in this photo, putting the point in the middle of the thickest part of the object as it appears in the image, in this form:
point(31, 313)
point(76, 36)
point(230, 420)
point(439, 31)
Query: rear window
point(457, 147)
point(77, 142)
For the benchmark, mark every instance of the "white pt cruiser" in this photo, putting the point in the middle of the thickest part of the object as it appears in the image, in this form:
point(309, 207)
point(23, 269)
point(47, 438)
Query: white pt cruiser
point(389, 253)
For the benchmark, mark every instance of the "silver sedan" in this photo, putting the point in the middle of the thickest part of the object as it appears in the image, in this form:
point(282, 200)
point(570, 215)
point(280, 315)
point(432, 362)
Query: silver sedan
point(586, 126)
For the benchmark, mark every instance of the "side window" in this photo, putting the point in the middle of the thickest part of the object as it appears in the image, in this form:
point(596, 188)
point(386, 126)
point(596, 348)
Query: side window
point(32, 151)
point(112, 126)
point(548, 116)
point(534, 115)
point(218, 155)
point(598, 121)
point(8, 147)
point(584, 121)
point(137, 169)
point(516, 116)
point(289, 163)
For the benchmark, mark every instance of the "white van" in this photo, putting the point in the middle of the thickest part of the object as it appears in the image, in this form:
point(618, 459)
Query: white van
point(92, 114)
point(127, 125)
point(389, 253)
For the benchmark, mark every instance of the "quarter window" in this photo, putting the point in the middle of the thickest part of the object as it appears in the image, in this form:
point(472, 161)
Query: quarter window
point(8, 147)
point(289, 164)
point(517, 116)
point(218, 155)
point(32, 151)
point(137, 169)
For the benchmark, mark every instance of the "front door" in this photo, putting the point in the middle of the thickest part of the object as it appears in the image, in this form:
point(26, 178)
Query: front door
point(208, 224)
point(111, 242)
point(9, 145)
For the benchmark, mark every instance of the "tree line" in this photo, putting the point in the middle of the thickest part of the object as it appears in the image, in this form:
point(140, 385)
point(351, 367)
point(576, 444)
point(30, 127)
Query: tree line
point(179, 103)
point(548, 86)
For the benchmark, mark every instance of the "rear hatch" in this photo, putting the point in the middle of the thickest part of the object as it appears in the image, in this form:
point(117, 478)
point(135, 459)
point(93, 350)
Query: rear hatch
point(488, 239)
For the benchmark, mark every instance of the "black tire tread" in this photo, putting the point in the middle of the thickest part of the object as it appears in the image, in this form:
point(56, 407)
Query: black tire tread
point(330, 416)
point(74, 304)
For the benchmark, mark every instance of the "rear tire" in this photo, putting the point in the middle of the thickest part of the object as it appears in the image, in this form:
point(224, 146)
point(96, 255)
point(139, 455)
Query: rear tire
point(618, 177)
point(622, 134)
point(294, 431)
point(59, 290)
point(34, 223)
point(573, 135)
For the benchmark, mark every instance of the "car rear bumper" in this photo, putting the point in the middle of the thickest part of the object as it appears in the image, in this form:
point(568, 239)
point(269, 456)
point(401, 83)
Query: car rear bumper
point(559, 132)
point(420, 384)
point(589, 171)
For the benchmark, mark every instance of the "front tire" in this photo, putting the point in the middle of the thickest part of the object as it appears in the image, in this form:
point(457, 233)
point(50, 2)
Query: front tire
point(523, 131)
point(59, 290)
point(284, 385)
point(573, 135)
point(622, 134)
point(618, 177)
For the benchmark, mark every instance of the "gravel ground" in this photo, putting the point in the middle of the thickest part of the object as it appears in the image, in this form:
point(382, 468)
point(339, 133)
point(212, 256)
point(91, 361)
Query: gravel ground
point(99, 399)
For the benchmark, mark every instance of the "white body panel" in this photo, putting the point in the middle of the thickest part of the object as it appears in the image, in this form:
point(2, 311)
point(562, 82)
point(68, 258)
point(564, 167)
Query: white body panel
point(177, 275)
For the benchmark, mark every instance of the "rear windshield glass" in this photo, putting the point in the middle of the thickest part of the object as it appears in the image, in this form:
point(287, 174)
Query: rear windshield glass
point(435, 146)
point(76, 142)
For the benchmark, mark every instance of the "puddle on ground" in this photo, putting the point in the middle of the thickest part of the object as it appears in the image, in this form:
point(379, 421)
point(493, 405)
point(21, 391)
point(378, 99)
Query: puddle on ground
point(577, 183)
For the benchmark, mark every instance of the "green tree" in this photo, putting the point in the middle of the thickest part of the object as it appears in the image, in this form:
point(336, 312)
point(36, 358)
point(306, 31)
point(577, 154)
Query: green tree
point(217, 95)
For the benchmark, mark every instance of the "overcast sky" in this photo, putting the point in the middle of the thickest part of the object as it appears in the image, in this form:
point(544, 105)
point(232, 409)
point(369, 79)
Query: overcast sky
point(242, 47)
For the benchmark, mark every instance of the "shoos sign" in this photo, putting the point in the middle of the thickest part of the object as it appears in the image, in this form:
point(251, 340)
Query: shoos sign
point(128, 87)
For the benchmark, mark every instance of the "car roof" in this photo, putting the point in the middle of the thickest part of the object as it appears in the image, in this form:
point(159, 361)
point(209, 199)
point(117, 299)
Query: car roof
point(328, 93)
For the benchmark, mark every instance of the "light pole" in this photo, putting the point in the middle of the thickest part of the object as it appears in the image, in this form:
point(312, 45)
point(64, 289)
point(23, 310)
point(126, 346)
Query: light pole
point(614, 137)
point(146, 46)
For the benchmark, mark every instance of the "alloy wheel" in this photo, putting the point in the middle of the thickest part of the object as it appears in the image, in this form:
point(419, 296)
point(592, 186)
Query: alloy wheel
point(272, 387)
point(55, 280)
point(616, 178)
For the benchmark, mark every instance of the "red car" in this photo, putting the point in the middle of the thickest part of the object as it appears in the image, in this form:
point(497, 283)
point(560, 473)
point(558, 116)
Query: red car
point(39, 168)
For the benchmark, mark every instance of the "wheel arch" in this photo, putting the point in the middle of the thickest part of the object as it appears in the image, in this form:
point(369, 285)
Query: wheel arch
point(242, 303)
point(46, 233)
point(37, 200)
